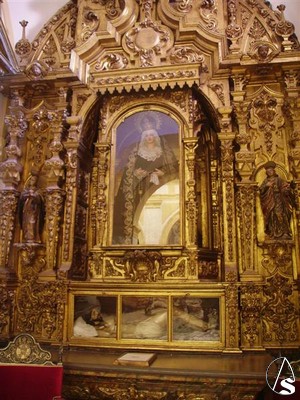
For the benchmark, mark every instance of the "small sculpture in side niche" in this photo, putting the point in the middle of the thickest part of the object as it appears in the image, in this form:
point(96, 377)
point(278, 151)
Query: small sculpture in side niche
point(31, 211)
point(277, 199)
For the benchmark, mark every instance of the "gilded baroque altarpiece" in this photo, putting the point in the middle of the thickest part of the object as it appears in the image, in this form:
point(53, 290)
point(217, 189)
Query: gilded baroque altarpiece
point(150, 177)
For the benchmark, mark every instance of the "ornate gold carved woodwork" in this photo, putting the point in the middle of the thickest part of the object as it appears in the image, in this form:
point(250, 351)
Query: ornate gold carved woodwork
point(284, 29)
point(200, 396)
point(209, 269)
point(6, 307)
point(71, 146)
point(263, 51)
point(90, 23)
point(80, 101)
point(99, 205)
point(144, 266)
point(54, 166)
point(41, 308)
point(56, 39)
point(215, 204)
point(279, 312)
point(23, 46)
point(70, 202)
point(24, 350)
point(233, 31)
point(209, 14)
point(119, 392)
point(246, 197)
point(148, 39)
point(227, 158)
point(169, 77)
point(218, 88)
point(251, 304)
point(66, 32)
point(177, 97)
point(257, 30)
point(11, 168)
point(292, 114)
point(136, 389)
point(277, 257)
point(40, 135)
point(113, 8)
point(190, 145)
point(31, 258)
point(187, 55)
point(266, 121)
point(183, 6)
point(79, 259)
point(54, 205)
point(8, 209)
point(36, 70)
point(111, 61)
point(131, 393)
point(245, 158)
point(232, 304)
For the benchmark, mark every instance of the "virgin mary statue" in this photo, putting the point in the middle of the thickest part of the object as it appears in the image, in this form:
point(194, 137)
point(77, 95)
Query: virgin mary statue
point(150, 165)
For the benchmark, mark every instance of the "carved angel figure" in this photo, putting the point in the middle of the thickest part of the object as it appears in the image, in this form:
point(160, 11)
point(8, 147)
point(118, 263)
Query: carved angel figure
point(31, 211)
point(277, 200)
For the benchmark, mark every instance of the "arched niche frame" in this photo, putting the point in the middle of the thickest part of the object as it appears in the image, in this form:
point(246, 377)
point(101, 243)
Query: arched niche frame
point(103, 183)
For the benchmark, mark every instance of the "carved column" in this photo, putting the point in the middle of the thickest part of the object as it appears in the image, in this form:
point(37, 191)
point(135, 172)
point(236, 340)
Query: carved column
point(100, 200)
point(72, 163)
point(229, 226)
point(191, 207)
point(292, 110)
point(227, 159)
point(54, 197)
point(246, 194)
point(231, 315)
point(10, 171)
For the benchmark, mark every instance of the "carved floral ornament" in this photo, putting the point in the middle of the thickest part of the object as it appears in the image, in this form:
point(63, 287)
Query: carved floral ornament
point(23, 46)
point(148, 39)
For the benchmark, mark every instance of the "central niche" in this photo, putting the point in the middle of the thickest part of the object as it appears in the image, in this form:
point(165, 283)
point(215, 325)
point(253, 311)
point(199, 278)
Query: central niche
point(146, 207)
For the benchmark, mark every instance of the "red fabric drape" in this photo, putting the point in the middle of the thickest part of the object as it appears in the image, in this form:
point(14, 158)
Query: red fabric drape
point(30, 382)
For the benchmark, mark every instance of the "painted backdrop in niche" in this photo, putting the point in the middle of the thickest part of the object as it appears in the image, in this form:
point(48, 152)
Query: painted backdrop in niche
point(146, 183)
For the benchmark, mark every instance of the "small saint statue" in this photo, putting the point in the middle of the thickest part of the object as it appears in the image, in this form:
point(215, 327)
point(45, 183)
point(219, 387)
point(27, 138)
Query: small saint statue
point(31, 211)
point(277, 199)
